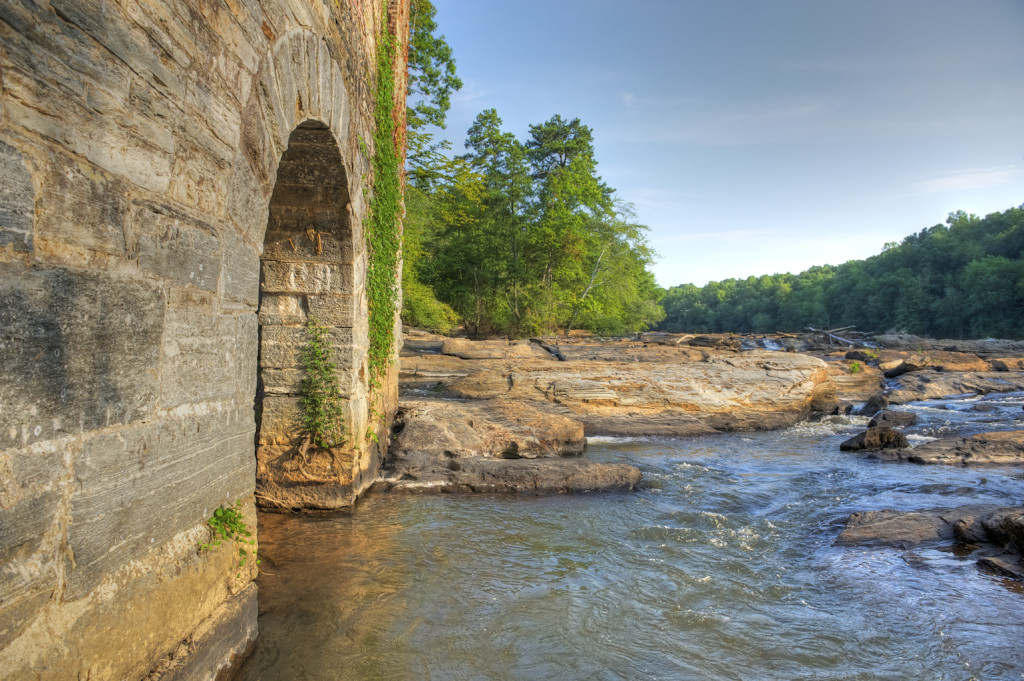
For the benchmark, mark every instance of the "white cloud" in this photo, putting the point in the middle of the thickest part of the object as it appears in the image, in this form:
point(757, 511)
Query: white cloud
point(469, 98)
point(966, 180)
point(629, 99)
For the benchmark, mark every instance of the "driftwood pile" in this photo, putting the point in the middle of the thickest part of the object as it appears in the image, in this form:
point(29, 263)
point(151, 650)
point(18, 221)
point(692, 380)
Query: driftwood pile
point(851, 337)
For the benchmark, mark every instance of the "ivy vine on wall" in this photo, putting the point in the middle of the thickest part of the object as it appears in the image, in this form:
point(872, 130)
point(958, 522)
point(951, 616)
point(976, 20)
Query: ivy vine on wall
point(383, 235)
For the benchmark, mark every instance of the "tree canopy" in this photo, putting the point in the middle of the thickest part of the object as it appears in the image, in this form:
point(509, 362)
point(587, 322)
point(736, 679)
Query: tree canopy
point(522, 238)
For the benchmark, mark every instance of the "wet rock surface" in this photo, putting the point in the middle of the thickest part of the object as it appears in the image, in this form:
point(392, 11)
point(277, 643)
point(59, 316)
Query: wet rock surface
point(892, 418)
point(984, 347)
point(930, 385)
point(662, 385)
point(983, 448)
point(628, 388)
point(995, 534)
point(855, 381)
point(493, 446)
point(875, 439)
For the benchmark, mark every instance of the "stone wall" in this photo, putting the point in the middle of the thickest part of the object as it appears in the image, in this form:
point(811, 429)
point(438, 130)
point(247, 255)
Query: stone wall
point(145, 145)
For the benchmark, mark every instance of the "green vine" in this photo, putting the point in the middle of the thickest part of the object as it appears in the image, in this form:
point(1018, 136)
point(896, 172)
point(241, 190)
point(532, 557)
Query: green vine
point(323, 415)
point(383, 236)
point(227, 523)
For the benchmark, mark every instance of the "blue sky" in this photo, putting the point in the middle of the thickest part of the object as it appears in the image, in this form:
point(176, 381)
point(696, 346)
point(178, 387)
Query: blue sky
point(763, 136)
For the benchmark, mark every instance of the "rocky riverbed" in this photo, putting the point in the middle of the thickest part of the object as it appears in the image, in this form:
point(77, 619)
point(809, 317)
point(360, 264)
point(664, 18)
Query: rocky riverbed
point(500, 416)
point(513, 416)
point(496, 415)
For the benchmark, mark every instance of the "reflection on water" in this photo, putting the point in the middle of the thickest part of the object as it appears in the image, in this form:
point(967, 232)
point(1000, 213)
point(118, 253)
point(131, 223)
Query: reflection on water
point(724, 569)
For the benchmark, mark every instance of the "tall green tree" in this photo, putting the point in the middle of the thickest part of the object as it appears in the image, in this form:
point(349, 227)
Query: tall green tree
point(431, 81)
point(501, 161)
point(528, 240)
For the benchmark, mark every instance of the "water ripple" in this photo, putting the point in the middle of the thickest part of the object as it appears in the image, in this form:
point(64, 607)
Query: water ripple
point(725, 570)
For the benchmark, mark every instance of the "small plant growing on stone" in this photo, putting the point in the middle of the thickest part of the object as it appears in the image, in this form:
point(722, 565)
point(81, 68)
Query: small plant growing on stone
point(855, 368)
point(227, 523)
point(322, 412)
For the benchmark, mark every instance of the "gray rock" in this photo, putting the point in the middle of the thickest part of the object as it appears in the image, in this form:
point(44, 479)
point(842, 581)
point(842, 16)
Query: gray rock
point(875, 404)
point(984, 448)
point(906, 529)
point(992, 532)
point(874, 439)
point(493, 446)
point(891, 418)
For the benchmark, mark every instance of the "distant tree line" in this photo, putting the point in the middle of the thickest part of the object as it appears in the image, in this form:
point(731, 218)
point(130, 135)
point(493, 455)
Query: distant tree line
point(962, 279)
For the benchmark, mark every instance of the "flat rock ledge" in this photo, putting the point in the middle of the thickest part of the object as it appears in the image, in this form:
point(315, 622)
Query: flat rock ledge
point(1005, 447)
point(931, 384)
point(493, 446)
point(500, 416)
point(995, 534)
point(625, 388)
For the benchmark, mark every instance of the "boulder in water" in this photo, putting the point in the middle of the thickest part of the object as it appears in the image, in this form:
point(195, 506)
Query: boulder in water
point(891, 418)
point(875, 404)
point(995, 533)
point(874, 439)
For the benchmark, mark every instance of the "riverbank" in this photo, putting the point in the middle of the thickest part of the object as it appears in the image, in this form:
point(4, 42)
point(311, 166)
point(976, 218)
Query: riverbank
point(496, 415)
point(513, 416)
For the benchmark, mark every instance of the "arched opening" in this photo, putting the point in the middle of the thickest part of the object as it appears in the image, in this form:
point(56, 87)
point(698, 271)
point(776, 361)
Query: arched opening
point(306, 269)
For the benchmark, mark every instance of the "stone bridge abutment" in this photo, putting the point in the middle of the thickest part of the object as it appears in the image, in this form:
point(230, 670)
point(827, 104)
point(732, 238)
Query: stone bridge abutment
point(182, 184)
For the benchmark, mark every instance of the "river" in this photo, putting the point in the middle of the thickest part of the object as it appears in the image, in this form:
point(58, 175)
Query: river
point(723, 569)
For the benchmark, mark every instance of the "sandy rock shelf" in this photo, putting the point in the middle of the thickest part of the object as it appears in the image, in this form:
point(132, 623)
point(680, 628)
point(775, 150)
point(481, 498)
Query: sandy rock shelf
point(513, 416)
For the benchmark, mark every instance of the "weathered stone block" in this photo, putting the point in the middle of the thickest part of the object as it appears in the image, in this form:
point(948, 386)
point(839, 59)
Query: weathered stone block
point(29, 502)
point(246, 349)
point(79, 351)
point(240, 269)
point(81, 205)
point(282, 381)
point(282, 309)
point(324, 87)
point(289, 381)
point(128, 40)
point(281, 346)
point(293, 244)
point(247, 202)
point(229, 633)
point(280, 420)
point(305, 277)
point(132, 151)
point(332, 310)
point(200, 354)
point(139, 486)
point(177, 247)
point(259, 148)
point(16, 200)
point(199, 175)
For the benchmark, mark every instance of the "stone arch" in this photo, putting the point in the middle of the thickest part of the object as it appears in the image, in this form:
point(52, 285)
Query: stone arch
point(298, 81)
point(296, 202)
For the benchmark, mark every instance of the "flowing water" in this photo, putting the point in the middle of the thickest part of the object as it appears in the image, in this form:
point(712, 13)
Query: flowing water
point(723, 569)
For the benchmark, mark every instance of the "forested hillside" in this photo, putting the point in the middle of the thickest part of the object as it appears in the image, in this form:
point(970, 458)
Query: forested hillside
point(962, 279)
